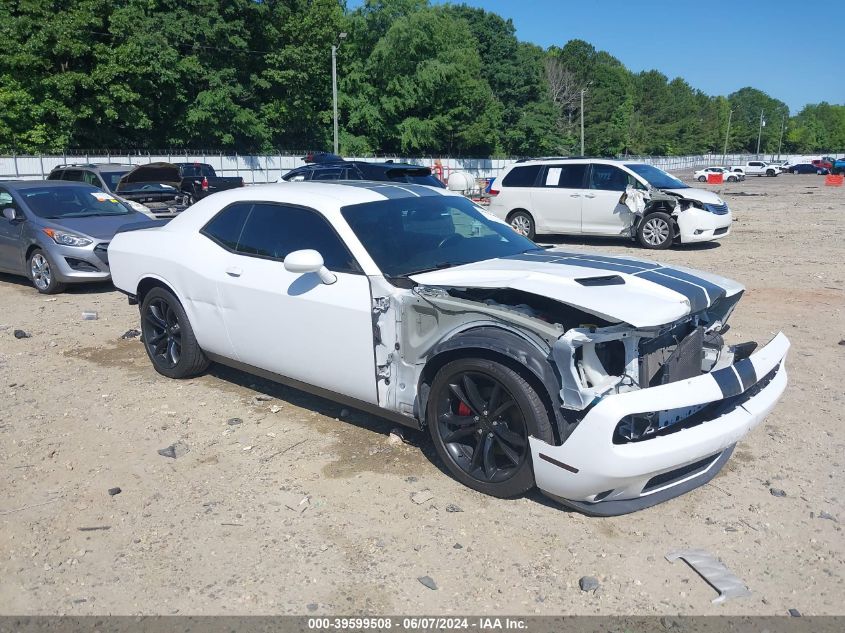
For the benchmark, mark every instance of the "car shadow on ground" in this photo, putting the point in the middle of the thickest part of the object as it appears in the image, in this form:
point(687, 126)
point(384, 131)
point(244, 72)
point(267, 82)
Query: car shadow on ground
point(612, 242)
point(343, 414)
point(72, 289)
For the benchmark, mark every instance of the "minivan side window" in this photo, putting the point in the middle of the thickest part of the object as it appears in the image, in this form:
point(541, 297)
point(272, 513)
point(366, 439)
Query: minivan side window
point(91, 178)
point(522, 176)
point(607, 178)
point(565, 176)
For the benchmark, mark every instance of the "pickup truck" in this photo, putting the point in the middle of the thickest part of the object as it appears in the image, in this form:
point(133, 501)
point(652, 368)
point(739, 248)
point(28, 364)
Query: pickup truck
point(200, 180)
point(758, 168)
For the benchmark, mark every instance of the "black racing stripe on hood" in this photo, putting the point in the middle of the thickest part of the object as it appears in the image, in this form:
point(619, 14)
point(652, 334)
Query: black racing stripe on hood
point(713, 291)
point(694, 293)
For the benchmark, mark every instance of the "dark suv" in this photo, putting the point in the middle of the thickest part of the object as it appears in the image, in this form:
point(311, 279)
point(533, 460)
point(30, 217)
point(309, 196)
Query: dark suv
point(361, 170)
point(102, 175)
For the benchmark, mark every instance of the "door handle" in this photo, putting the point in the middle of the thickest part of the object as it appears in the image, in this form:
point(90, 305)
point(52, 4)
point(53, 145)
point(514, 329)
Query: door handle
point(574, 195)
point(233, 271)
point(589, 195)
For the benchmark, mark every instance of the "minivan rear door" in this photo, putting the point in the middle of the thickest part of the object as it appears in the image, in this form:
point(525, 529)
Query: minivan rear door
point(557, 197)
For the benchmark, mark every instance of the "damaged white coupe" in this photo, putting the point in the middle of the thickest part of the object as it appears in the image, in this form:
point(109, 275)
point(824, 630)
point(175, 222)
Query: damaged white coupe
point(604, 381)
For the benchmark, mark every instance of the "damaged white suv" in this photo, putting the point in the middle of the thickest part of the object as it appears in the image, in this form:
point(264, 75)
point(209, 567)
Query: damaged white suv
point(605, 381)
point(604, 197)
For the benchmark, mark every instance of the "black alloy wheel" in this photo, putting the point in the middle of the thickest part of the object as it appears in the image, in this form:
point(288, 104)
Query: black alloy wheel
point(168, 336)
point(481, 415)
point(163, 336)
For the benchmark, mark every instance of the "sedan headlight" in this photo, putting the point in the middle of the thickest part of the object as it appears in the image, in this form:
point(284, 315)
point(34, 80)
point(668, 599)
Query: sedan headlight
point(67, 239)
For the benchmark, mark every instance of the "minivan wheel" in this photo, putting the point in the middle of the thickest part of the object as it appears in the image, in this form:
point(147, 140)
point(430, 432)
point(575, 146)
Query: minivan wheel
point(522, 223)
point(656, 231)
point(42, 273)
point(480, 414)
point(702, 179)
point(168, 337)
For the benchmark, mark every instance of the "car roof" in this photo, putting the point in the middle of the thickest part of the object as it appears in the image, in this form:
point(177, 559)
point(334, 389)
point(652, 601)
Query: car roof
point(338, 163)
point(96, 166)
point(577, 159)
point(32, 184)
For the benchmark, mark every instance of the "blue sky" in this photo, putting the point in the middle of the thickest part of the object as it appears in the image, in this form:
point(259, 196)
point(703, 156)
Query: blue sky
point(718, 47)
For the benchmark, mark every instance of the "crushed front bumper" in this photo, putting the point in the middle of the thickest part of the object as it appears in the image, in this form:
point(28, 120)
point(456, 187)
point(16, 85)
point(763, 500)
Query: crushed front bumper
point(597, 476)
point(697, 225)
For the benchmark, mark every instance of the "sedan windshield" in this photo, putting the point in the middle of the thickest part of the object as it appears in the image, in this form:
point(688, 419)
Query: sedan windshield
point(411, 235)
point(72, 201)
point(656, 177)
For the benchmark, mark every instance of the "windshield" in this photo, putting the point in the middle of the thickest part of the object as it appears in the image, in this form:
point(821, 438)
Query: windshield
point(413, 235)
point(656, 177)
point(75, 201)
point(111, 178)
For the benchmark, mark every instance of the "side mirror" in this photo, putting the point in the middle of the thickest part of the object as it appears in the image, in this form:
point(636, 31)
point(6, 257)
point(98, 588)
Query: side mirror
point(309, 261)
point(10, 214)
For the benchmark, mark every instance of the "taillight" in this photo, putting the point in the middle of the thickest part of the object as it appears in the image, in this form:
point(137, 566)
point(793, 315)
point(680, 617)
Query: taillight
point(494, 192)
point(204, 183)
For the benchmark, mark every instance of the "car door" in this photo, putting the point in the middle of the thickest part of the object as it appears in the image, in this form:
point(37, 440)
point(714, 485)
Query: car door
point(602, 212)
point(10, 235)
point(558, 197)
point(292, 323)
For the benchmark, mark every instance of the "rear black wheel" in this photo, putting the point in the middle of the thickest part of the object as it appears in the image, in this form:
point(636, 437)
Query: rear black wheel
point(480, 415)
point(168, 336)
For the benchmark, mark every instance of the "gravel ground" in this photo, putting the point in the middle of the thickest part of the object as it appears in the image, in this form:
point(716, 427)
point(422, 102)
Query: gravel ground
point(300, 506)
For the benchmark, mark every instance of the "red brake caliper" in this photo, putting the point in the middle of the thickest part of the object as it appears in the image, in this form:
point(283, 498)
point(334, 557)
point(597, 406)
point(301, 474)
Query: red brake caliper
point(463, 410)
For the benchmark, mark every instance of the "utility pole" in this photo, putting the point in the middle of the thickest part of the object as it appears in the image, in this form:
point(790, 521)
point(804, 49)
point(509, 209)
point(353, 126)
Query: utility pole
point(760, 134)
point(782, 126)
point(582, 121)
point(334, 87)
point(727, 134)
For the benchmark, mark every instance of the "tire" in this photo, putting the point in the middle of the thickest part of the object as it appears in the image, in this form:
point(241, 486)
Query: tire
point(41, 272)
point(731, 179)
point(656, 231)
point(488, 452)
point(702, 179)
point(168, 336)
point(771, 173)
point(522, 223)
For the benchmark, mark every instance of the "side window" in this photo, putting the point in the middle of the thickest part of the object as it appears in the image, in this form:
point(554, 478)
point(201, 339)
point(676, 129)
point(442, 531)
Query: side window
point(334, 173)
point(523, 176)
point(565, 176)
point(73, 174)
point(91, 178)
point(6, 200)
point(607, 178)
point(274, 230)
point(207, 171)
point(297, 175)
point(225, 227)
point(56, 174)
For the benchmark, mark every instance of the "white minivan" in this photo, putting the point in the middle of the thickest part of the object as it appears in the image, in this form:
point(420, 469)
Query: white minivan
point(587, 196)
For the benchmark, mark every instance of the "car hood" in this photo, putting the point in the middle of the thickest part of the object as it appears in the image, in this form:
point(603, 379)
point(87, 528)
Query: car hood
point(99, 227)
point(639, 292)
point(163, 173)
point(702, 195)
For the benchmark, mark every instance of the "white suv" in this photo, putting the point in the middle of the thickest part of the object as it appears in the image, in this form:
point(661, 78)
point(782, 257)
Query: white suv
point(587, 196)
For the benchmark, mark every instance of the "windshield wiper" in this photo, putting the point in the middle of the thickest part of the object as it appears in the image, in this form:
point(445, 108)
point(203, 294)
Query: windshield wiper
point(440, 266)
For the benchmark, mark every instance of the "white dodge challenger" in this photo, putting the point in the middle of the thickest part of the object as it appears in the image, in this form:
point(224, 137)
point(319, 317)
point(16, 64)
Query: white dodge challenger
point(604, 381)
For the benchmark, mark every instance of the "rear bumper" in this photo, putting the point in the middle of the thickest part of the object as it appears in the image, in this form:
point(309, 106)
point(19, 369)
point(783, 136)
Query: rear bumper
point(596, 476)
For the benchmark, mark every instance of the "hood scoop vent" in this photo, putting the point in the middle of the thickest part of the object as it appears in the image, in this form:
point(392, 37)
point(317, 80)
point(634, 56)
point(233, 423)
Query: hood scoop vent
point(606, 280)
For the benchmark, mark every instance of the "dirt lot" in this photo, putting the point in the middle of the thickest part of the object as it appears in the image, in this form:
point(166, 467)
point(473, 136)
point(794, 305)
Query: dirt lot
point(305, 507)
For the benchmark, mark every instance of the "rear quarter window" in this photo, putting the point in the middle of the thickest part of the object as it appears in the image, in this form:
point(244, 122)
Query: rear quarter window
point(522, 176)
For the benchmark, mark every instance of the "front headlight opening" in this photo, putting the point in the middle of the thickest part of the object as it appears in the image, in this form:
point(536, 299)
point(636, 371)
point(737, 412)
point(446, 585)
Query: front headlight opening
point(67, 239)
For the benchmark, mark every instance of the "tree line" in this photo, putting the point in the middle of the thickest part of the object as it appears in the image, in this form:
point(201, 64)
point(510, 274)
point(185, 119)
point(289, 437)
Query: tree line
point(414, 78)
